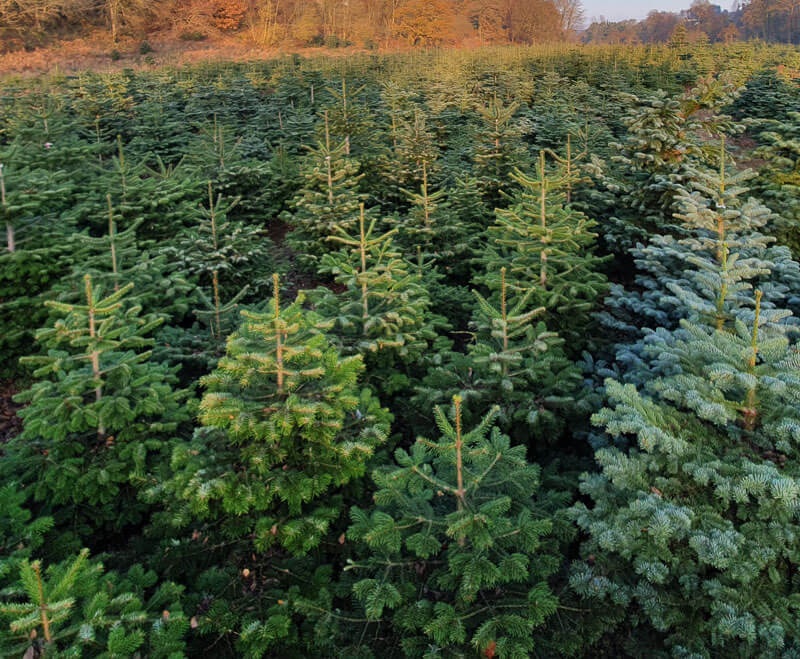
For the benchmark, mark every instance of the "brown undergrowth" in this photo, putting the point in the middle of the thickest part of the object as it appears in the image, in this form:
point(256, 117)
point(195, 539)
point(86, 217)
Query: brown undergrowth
point(97, 53)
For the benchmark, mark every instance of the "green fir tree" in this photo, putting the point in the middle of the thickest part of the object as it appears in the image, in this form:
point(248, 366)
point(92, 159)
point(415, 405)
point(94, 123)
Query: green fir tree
point(99, 418)
point(327, 201)
point(453, 558)
point(285, 426)
point(547, 247)
point(497, 152)
point(74, 609)
point(382, 313)
point(690, 529)
point(513, 364)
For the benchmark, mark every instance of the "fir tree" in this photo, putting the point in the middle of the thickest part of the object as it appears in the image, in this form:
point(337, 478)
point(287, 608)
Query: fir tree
point(163, 199)
point(656, 160)
point(100, 416)
point(382, 313)
point(780, 178)
point(720, 247)
point(547, 247)
point(433, 225)
point(453, 563)
point(497, 152)
point(350, 120)
point(284, 426)
point(451, 302)
point(36, 253)
point(26, 278)
point(42, 136)
point(767, 95)
point(20, 533)
point(574, 164)
point(157, 132)
point(328, 200)
point(74, 609)
point(223, 256)
point(235, 171)
point(118, 258)
point(414, 147)
point(513, 364)
point(691, 529)
point(220, 255)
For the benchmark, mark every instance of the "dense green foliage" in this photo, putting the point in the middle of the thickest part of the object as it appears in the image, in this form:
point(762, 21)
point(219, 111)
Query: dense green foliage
point(484, 354)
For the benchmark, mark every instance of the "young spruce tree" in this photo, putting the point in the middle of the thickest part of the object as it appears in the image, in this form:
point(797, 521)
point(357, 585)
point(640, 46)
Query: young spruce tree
point(497, 152)
point(720, 242)
point(546, 247)
point(327, 201)
point(75, 609)
point(513, 365)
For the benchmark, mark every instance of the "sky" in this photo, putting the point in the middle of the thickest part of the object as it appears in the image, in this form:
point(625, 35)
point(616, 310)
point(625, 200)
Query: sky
point(616, 10)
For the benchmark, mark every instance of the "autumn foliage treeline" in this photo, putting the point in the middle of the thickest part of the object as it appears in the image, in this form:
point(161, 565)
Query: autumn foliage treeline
point(333, 23)
point(770, 20)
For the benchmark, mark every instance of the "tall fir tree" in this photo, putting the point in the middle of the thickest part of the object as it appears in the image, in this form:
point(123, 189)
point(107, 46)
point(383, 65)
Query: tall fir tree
point(689, 531)
point(434, 227)
point(222, 255)
point(665, 142)
point(720, 243)
point(414, 146)
point(162, 198)
point(36, 194)
point(497, 151)
point(328, 200)
point(382, 313)
point(779, 180)
point(118, 258)
point(230, 262)
point(350, 119)
point(547, 247)
point(513, 364)
point(74, 608)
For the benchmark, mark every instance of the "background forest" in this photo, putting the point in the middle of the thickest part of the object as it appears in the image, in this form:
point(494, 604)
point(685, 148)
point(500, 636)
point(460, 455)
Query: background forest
point(486, 354)
point(381, 24)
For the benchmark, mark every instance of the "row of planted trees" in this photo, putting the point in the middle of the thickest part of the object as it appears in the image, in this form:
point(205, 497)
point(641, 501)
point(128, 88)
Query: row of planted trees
point(297, 499)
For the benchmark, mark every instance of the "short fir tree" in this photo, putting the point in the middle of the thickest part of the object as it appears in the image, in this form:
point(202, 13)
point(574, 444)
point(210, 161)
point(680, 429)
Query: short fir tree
point(284, 426)
point(453, 561)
